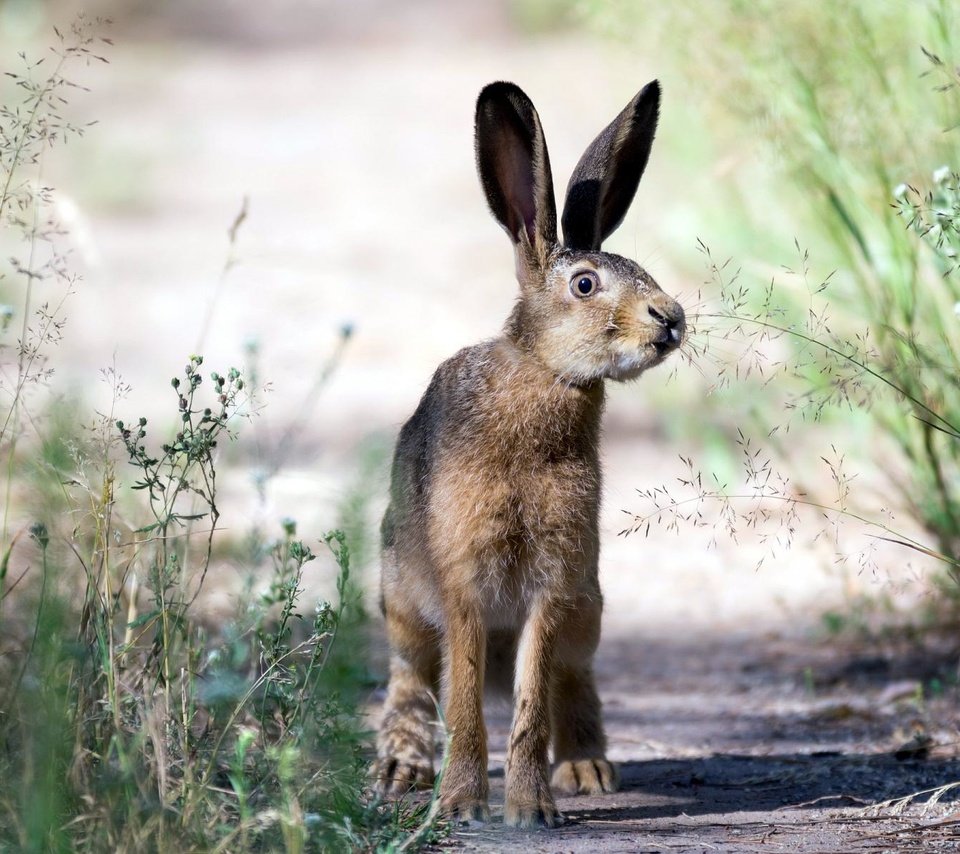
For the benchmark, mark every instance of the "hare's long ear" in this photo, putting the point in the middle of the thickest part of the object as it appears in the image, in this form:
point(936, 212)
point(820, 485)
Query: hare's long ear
point(606, 178)
point(514, 167)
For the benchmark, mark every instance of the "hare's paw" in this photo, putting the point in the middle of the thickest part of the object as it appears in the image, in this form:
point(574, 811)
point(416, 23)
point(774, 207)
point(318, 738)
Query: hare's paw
point(463, 791)
point(540, 812)
point(405, 750)
point(396, 776)
point(465, 810)
point(585, 777)
point(529, 802)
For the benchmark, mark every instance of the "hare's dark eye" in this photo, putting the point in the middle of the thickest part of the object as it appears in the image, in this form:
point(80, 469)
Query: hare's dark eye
point(584, 284)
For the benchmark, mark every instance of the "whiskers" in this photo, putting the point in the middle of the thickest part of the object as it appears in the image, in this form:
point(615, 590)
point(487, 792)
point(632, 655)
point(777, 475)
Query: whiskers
point(706, 344)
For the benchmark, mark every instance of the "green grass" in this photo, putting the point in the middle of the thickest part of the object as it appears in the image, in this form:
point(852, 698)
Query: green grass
point(131, 718)
point(129, 723)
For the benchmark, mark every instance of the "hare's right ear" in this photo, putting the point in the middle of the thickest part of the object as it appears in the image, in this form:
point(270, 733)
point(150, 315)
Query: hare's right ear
point(606, 178)
point(514, 167)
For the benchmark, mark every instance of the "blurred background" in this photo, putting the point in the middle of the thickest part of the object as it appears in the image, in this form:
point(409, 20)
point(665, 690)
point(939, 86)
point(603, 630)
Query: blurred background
point(366, 256)
point(288, 189)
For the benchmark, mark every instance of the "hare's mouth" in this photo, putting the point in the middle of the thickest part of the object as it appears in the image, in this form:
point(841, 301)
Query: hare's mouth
point(629, 365)
point(669, 340)
point(665, 345)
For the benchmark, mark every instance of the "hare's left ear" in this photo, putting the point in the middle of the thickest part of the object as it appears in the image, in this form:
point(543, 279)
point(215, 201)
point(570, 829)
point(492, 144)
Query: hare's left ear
point(606, 178)
point(514, 167)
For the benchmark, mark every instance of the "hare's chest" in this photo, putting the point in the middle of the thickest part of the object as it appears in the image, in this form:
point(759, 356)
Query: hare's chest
point(512, 526)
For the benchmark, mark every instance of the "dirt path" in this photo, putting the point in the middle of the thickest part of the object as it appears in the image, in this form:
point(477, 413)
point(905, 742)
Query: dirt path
point(352, 139)
point(751, 744)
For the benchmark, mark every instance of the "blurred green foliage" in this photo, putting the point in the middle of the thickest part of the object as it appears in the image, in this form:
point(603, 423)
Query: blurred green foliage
point(839, 128)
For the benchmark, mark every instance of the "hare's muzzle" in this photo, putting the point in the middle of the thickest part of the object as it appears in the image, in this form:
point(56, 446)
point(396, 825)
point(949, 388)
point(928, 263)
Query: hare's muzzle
point(668, 315)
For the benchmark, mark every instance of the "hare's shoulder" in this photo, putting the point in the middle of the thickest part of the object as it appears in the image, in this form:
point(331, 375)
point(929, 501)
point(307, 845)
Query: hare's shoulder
point(455, 390)
point(493, 396)
point(446, 407)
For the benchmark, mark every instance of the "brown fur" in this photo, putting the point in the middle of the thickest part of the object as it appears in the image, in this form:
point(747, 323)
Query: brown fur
point(491, 536)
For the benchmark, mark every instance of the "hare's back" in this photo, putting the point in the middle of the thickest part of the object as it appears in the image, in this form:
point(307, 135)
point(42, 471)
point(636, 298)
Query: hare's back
point(446, 407)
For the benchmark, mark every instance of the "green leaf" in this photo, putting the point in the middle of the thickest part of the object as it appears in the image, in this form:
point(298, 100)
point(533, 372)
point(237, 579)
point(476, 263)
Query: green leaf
point(143, 619)
point(146, 529)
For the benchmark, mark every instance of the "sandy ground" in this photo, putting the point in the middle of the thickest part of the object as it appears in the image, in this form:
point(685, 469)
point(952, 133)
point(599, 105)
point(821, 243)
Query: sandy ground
point(738, 726)
point(752, 743)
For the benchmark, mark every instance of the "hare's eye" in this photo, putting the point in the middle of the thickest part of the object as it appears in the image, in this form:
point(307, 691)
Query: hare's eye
point(584, 284)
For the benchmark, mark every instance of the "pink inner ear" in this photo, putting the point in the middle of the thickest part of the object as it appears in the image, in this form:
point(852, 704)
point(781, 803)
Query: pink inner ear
point(514, 170)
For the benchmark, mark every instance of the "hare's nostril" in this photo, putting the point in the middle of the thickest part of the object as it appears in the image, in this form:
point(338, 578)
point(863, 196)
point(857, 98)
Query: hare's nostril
point(657, 316)
point(666, 320)
point(672, 325)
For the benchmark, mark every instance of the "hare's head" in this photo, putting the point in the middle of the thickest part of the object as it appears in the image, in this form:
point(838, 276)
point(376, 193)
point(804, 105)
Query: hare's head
point(586, 314)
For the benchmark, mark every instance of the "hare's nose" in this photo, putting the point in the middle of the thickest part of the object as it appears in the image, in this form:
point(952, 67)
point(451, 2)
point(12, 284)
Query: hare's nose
point(671, 324)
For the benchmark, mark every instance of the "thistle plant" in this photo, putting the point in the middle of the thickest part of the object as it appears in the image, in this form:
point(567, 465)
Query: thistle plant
point(130, 719)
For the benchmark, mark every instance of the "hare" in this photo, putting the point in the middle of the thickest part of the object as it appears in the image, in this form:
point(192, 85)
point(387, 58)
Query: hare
point(490, 541)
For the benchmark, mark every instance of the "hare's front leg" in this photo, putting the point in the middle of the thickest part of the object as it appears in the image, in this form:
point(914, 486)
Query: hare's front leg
point(528, 800)
point(464, 788)
point(405, 743)
point(579, 744)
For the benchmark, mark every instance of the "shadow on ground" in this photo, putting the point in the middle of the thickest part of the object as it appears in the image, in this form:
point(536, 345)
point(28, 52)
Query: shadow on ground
point(758, 743)
point(824, 802)
point(725, 784)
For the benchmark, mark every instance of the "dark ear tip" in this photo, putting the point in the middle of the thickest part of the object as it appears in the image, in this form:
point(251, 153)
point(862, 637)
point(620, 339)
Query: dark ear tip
point(498, 90)
point(503, 98)
point(650, 92)
point(646, 104)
